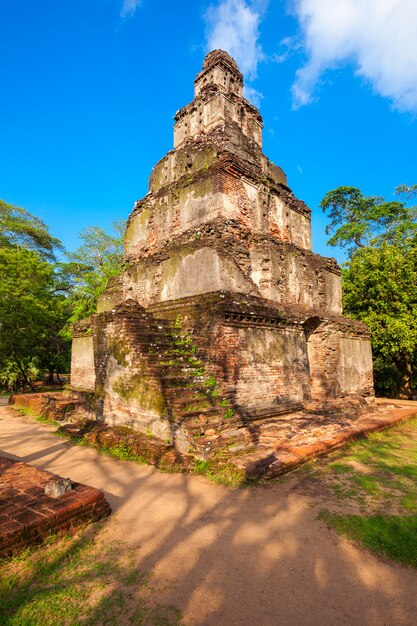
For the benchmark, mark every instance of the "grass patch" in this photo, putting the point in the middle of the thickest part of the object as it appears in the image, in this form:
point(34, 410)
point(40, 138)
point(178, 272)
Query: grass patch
point(391, 536)
point(25, 410)
point(370, 491)
point(341, 468)
point(45, 420)
point(368, 484)
point(77, 580)
point(121, 451)
point(378, 474)
point(222, 475)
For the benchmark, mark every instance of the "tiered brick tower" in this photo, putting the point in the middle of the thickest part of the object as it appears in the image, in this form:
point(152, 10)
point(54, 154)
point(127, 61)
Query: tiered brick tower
point(223, 315)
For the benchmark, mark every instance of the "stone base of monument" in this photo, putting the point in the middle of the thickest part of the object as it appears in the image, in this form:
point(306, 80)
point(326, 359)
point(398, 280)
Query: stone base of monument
point(281, 444)
point(262, 448)
point(196, 373)
point(258, 446)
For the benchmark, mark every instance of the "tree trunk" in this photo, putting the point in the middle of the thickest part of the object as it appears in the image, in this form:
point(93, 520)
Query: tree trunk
point(24, 375)
point(406, 390)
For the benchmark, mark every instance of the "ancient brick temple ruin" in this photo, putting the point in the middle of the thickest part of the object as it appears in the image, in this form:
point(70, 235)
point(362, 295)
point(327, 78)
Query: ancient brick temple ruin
point(223, 317)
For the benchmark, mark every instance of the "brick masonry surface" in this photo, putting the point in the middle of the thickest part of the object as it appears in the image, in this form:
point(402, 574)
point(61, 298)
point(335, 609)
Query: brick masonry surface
point(282, 444)
point(263, 447)
point(223, 315)
point(27, 515)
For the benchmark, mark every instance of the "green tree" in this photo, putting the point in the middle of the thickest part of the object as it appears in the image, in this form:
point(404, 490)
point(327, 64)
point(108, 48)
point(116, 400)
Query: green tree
point(92, 265)
point(40, 297)
point(20, 229)
point(357, 221)
point(380, 278)
point(380, 289)
point(33, 310)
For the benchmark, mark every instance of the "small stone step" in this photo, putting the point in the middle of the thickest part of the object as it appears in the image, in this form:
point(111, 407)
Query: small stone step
point(181, 397)
point(208, 412)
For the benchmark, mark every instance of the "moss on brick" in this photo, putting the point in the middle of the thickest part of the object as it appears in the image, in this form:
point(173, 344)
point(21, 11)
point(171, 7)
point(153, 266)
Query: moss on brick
point(143, 390)
point(198, 188)
point(119, 348)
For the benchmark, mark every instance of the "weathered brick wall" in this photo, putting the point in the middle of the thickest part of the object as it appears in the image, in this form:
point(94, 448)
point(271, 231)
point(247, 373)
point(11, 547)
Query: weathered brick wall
point(340, 361)
point(54, 406)
point(261, 368)
point(355, 366)
point(82, 364)
point(112, 296)
point(216, 191)
point(274, 367)
point(219, 259)
point(220, 219)
point(265, 357)
point(218, 100)
point(128, 389)
point(82, 357)
point(288, 275)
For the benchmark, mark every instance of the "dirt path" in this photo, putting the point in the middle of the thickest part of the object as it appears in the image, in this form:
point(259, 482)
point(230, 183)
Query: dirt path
point(248, 557)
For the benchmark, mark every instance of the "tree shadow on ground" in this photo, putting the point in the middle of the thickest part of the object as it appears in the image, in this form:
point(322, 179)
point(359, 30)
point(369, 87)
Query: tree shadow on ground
point(246, 556)
point(74, 580)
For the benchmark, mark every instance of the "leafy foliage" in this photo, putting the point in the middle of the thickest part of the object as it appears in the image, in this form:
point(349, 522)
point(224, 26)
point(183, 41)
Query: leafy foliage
point(18, 228)
point(40, 297)
point(12, 379)
point(33, 310)
point(380, 278)
point(380, 289)
point(359, 221)
point(90, 268)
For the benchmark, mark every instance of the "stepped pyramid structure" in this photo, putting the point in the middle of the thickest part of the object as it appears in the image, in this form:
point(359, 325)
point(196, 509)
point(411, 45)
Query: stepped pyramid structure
point(223, 317)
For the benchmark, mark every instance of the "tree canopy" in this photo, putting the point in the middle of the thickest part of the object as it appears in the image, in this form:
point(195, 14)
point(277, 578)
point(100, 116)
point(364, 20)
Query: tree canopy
point(40, 297)
point(380, 278)
point(91, 266)
point(33, 310)
point(357, 221)
point(18, 228)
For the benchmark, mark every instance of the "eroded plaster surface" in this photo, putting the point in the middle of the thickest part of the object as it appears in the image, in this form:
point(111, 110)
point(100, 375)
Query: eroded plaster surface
point(223, 314)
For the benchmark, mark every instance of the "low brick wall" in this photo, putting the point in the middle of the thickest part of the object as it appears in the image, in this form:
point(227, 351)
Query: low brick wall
point(151, 449)
point(28, 515)
point(54, 406)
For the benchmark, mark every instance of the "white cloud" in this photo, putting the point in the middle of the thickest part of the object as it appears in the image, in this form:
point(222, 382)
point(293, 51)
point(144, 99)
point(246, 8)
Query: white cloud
point(253, 95)
point(378, 36)
point(129, 7)
point(233, 25)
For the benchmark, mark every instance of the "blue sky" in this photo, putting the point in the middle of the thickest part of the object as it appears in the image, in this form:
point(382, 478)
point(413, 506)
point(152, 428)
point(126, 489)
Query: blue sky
point(89, 89)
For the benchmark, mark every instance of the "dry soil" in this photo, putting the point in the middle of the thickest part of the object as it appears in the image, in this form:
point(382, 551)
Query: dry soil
point(255, 556)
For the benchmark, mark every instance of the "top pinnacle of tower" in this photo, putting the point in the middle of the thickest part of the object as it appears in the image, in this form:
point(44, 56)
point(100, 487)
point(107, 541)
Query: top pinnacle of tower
point(216, 56)
point(218, 102)
point(220, 71)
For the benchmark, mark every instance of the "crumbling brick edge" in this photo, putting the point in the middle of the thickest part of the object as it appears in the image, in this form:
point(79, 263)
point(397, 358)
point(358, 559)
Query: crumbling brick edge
point(123, 442)
point(127, 444)
point(28, 516)
point(288, 457)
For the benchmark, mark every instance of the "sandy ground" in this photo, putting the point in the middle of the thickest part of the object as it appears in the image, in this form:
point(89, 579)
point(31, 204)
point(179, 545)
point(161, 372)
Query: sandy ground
point(248, 557)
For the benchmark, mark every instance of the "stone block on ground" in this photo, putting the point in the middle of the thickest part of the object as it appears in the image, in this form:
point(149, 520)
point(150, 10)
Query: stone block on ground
point(28, 515)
